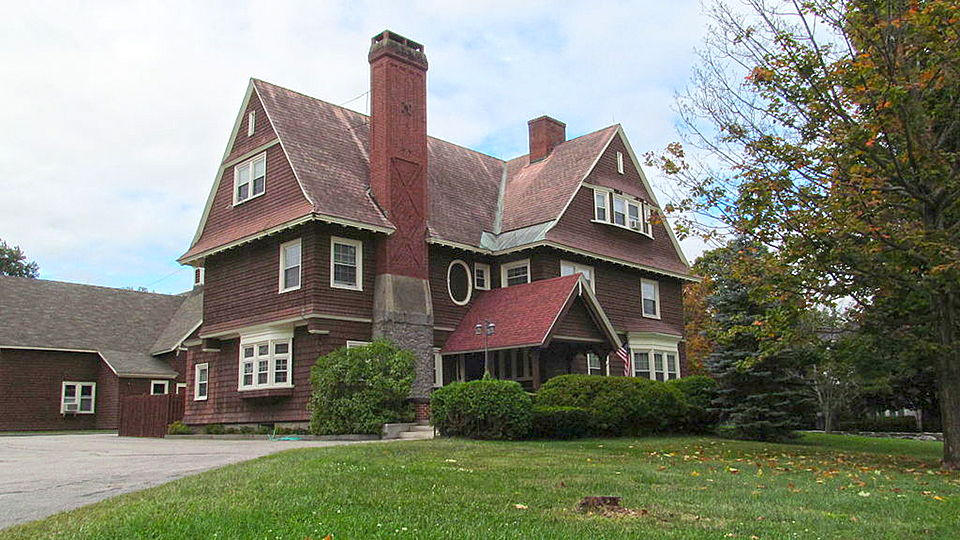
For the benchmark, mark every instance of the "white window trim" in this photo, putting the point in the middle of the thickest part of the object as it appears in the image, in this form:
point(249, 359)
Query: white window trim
point(198, 276)
point(283, 264)
point(485, 270)
point(251, 123)
point(437, 368)
point(504, 268)
point(270, 338)
point(620, 162)
point(606, 198)
point(166, 387)
point(236, 178)
point(645, 211)
point(599, 362)
point(78, 384)
point(652, 362)
point(358, 244)
point(656, 294)
point(182, 386)
point(466, 269)
point(579, 268)
point(650, 343)
point(354, 344)
point(196, 381)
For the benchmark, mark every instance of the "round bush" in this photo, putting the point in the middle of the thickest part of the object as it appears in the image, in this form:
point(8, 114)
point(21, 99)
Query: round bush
point(358, 390)
point(619, 405)
point(562, 422)
point(698, 391)
point(484, 409)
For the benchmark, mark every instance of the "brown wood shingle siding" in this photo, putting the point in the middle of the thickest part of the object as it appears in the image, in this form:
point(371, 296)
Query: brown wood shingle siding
point(226, 404)
point(242, 284)
point(577, 230)
point(263, 130)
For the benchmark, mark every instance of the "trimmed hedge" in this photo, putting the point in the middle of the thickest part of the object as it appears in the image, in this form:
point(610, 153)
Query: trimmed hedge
point(698, 391)
point(358, 390)
point(483, 409)
point(619, 405)
point(562, 422)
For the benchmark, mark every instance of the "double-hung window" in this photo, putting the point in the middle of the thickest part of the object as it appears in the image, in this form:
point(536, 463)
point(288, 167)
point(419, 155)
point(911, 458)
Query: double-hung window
point(646, 225)
point(635, 215)
point(346, 263)
point(266, 361)
point(515, 273)
point(290, 264)
point(656, 364)
point(568, 268)
point(601, 205)
point(650, 298)
point(619, 211)
point(481, 276)
point(594, 365)
point(249, 179)
point(201, 382)
point(641, 364)
point(78, 397)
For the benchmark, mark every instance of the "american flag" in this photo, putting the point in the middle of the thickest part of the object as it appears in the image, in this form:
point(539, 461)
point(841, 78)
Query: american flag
point(624, 354)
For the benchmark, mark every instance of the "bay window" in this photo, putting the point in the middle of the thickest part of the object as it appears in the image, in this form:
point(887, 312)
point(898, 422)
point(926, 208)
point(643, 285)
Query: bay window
point(265, 360)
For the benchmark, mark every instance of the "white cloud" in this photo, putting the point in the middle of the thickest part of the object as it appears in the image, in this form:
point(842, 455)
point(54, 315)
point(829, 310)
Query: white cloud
point(116, 113)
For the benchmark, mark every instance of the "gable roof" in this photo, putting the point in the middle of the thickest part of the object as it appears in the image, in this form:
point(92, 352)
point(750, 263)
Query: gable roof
point(477, 202)
point(120, 325)
point(546, 301)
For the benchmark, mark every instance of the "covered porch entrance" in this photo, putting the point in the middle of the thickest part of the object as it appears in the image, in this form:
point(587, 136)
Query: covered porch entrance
point(542, 329)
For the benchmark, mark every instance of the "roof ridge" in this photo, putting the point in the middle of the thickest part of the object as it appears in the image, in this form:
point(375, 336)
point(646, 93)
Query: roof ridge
point(594, 132)
point(92, 286)
point(368, 116)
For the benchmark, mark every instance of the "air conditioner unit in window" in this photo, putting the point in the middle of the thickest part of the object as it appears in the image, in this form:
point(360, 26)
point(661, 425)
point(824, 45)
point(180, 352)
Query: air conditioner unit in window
point(635, 224)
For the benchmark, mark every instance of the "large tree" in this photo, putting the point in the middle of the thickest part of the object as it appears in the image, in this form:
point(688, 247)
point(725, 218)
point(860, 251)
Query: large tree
point(830, 131)
point(13, 262)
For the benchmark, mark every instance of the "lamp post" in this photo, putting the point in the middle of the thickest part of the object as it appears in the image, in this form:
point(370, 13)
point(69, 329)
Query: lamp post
point(486, 329)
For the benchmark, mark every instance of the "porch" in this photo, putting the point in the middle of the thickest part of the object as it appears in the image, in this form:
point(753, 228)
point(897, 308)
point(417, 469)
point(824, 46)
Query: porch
point(530, 366)
point(530, 333)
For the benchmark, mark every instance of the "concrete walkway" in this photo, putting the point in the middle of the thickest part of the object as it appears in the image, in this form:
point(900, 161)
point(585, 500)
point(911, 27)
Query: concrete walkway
point(45, 474)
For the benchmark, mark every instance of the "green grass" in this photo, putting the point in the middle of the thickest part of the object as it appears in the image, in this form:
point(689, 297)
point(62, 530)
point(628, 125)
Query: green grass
point(827, 486)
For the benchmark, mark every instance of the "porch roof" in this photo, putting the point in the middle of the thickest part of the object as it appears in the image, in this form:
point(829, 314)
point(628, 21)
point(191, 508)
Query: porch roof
point(526, 315)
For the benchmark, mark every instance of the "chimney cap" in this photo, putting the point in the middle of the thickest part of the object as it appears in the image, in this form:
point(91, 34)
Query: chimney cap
point(393, 44)
point(546, 118)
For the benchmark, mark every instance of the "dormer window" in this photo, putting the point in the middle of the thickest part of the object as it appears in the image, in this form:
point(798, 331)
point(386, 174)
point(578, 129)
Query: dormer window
point(601, 205)
point(249, 179)
point(251, 123)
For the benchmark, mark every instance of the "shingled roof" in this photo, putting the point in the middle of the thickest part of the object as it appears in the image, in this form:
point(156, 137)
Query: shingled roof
point(545, 303)
point(476, 201)
point(123, 326)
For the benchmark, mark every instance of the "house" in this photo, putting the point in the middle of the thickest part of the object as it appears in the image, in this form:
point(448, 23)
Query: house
point(69, 353)
point(326, 228)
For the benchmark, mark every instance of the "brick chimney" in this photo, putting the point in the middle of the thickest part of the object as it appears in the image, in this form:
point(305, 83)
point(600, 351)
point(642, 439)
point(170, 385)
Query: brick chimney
point(402, 307)
point(545, 134)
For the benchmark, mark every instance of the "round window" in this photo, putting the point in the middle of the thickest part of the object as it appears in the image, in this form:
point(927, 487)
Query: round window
point(458, 282)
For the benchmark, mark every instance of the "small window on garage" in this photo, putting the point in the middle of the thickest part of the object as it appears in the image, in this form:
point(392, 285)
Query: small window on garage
point(159, 387)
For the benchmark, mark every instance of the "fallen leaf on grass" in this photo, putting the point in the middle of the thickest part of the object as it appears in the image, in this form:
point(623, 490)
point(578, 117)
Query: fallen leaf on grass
point(864, 494)
point(520, 506)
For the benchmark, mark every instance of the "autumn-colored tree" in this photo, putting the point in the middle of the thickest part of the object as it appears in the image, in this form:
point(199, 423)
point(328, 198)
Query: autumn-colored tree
point(13, 262)
point(697, 325)
point(830, 131)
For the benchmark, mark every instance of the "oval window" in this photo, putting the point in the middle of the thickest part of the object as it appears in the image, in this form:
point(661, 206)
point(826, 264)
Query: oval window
point(458, 282)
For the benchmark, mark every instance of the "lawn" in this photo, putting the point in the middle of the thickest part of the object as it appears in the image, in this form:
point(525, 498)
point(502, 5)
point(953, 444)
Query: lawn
point(685, 487)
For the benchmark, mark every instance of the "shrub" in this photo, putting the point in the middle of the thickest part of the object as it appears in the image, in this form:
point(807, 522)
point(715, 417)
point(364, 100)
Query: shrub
point(562, 422)
point(179, 428)
point(698, 392)
point(885, 424)
point(619, 405)
point(358, 390)
point(214, 429)
point(484, 409)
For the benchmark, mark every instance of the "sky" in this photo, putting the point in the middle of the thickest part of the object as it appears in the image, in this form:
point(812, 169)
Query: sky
point(117, 113)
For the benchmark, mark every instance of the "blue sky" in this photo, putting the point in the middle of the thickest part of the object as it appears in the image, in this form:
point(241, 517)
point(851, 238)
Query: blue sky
point(116, 113)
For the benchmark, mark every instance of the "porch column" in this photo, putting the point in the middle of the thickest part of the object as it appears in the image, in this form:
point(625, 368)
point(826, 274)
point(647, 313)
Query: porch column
point(535, 367)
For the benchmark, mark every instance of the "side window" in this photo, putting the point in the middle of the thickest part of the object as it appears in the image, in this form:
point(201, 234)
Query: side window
point(650, 298)
point(249, 179)
point(346, 263)
point(481, 276)
point(290, 253)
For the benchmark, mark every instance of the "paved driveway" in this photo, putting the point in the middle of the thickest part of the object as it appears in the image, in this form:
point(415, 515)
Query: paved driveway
point(45, 474)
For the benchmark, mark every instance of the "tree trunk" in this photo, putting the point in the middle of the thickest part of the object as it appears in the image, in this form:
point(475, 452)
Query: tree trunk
point(828, 421)
point(948, 379)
